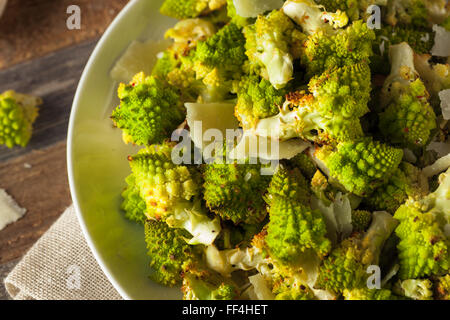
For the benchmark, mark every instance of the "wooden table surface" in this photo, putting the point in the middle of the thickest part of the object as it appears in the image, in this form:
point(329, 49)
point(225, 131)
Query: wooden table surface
point(39, 55)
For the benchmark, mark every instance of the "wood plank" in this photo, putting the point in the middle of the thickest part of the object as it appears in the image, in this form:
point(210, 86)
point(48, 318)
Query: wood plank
point(38, 182)
point(54, 78)
point(34, 28)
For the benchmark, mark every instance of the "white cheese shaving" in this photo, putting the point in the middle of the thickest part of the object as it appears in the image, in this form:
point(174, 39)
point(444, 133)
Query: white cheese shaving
point(444, 95)
point(439, 166)
point(441, 148)
point(261, 287)
point(9, 210)
point(139, 57)
point(253, 146)
point(210, 118)
point(425, 38)
point(253, 8)
point(441, 46)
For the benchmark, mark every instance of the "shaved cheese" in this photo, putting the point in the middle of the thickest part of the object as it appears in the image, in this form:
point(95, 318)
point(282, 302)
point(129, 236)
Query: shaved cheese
point(253, 146)
point(444, 95)
point(439, 166)
point(441, 46)
point(253, 8)
point(9, 210)
point(441, 148)
point(261, 287)
point(202, 117)
point(139, 57)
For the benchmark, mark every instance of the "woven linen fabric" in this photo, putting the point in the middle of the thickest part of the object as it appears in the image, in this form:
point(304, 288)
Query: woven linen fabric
point(60, 266)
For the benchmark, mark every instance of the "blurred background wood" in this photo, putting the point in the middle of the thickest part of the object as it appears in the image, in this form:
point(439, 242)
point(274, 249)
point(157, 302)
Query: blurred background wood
point(39, 55)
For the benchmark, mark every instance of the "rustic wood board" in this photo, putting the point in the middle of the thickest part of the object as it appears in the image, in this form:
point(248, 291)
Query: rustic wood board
point(55, 79)
point(34, 28)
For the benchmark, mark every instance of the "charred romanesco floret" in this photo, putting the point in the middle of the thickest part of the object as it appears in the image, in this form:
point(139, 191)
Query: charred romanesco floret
point(235, 191)
point(330, 113)
point(292, 289)
point(403, 184)
point(408, 118)
point(172, 193)
point(204, 285)
point(133, 204)
point(418, 13)
point(149, 110)
point(257, 99)
point(294, 228)
point(170, 255)
point(220, 58)
point(270, 47)
point(17, 115)
point(346, 266)
point(424, 247)
point(368, 294)
point(189, 8)
point(361, 220)
point(442, 288)
point(361, 166)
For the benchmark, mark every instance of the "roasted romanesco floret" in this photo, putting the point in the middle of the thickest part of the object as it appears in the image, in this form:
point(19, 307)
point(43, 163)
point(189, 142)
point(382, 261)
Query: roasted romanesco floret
point(133, 204)
point(361, 166)
point(304, 163)
point(235, 18)
point(408, 118)
point(292, 289)
point(418, 13)
point(361, 220)
point(149, 110)
point(346, 266)
point(205, 285)
point(17, 115)
point(189, 8)
point(235, 191)
point(172, 193)
point(271, 47)
point(424, 246)
point(406, 182)
point(442, 288)
point(417, 289)
point(368, 294)
point(169, 253)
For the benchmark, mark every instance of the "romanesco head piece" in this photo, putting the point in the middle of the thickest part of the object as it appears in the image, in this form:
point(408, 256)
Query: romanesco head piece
point(149, 110)
point(17, 114)
point(190, 8)
point(133, 204)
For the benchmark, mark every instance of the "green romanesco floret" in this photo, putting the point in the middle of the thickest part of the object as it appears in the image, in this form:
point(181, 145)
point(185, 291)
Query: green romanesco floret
point(235, 191)
point(170, 255)
point(294, 228)
point(206, 285)
point(369, 294)
point(257, 99)
point(417, 289)
point(292, 289)
point(133, 204)
point(418, 13)
point(349, 46)
point(442, 288)
point(408, 119)
point(330, 113)
point(17, 115)
point(304, 163)
point(361, 220)
point(220, 58)
point(271, 49)
point(361, 166)
point(346, 266)
point(149, 110)
point(172, 193)
point(350, 7)
point(406, 182)
point(190, 8)
point(423, 249)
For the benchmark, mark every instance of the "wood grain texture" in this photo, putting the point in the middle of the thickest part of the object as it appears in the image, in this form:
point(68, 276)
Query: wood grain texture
point(42, 189)
point(54, 78)
point(34, 28)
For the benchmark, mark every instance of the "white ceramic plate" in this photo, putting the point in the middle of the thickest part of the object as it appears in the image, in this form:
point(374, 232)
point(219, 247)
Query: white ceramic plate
point(97, 158)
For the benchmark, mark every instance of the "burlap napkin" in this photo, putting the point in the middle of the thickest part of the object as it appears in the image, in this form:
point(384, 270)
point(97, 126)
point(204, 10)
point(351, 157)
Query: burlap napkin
point(60, 266)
